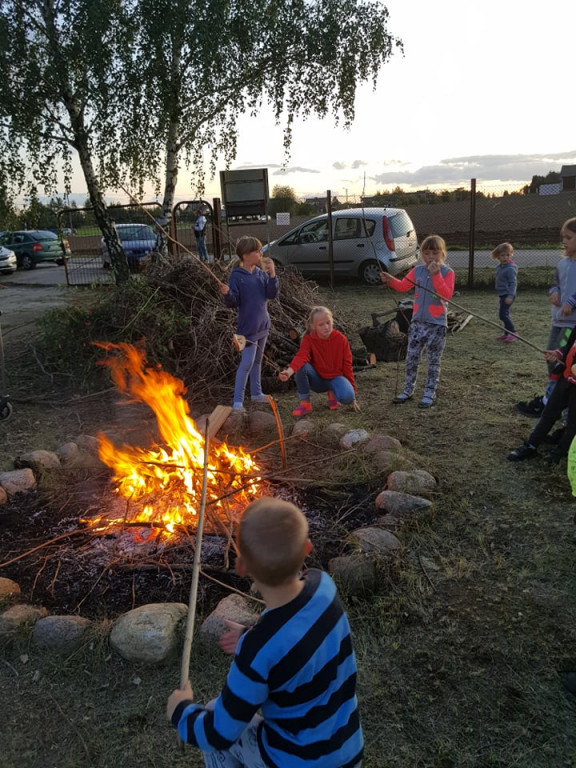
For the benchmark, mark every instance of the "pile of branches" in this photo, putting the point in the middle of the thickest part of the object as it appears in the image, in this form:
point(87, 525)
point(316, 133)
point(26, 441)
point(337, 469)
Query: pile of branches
point(175, 310)
point(204, 354)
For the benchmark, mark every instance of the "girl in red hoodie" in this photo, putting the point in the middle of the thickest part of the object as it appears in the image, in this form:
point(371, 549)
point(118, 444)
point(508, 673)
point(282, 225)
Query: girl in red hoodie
point(323, 363)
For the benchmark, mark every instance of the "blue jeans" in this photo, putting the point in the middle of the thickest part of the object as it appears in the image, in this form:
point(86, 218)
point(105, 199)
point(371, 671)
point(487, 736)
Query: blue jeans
point(306, 379)
point(250, 368)
point(504, 314)
point(201, 245)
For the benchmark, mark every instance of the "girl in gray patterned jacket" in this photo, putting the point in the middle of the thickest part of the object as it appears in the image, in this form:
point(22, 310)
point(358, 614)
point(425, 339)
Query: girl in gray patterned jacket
point(433, 282)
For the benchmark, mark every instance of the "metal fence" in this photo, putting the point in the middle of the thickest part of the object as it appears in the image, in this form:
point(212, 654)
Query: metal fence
point(473, 220)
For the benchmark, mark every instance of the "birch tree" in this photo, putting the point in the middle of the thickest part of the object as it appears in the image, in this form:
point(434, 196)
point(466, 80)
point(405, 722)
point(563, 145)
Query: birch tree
point(62, 66)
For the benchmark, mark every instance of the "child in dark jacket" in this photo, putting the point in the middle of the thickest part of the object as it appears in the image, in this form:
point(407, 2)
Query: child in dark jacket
point(296, 664)
point(249, 289)
point(506, 284)
point(562, 396)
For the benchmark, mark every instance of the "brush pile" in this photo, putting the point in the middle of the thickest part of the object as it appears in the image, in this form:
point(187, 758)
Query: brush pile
point(203, 351)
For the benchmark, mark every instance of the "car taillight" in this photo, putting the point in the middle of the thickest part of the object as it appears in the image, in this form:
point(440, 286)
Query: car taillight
point(387, 232)
point(37, 247)
point(66, 245)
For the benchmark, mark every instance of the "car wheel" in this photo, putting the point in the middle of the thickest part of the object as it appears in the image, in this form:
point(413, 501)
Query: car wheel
point(60, 262)
point(370, 272)
point(28, 262)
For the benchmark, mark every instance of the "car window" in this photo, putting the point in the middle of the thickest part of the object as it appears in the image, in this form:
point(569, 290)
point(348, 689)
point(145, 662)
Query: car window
point(46, 236)
point(138, 232)
point(345, 229)
point(400, 224)
point(314, 232)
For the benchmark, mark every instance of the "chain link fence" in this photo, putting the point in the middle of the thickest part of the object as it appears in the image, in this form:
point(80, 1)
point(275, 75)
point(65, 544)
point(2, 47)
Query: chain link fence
point(473, 220)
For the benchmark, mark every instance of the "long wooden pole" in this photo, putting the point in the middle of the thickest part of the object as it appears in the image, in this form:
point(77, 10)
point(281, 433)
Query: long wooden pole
point(185, 666)
point(484, 319)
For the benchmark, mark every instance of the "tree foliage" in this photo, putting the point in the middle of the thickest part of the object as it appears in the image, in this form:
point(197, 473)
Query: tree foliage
point(138, 88)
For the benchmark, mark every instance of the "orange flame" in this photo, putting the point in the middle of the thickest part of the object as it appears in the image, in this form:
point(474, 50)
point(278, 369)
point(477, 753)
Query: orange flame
point(164, 484)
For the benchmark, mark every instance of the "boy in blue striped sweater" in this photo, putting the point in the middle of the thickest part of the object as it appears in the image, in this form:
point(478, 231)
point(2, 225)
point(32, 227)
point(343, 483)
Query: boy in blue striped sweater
point(296, 666)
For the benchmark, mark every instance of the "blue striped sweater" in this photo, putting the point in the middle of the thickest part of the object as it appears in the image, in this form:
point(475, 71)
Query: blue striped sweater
point(298, 667)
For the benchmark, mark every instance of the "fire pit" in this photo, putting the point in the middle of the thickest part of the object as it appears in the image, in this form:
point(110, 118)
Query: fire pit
point(100, 543)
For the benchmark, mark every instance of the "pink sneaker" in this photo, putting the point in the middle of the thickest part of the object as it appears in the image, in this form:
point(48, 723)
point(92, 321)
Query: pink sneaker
point(302, 409)
point(333, 404)
point(510, 337)
point(502, 338)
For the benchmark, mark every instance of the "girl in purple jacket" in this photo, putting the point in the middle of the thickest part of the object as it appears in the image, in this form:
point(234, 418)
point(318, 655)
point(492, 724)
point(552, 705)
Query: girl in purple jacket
point(249, 289)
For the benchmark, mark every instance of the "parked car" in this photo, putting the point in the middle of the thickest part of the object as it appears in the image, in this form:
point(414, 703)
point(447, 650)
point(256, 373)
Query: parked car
point(366, 241)
point(8, 263)
point(138, 240)
point(32, 246)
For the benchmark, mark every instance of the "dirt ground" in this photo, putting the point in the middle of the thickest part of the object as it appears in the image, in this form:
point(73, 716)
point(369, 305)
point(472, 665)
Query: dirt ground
point(462, 650)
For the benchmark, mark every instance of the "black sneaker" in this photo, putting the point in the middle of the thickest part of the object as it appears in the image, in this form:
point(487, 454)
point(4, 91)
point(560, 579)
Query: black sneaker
point(554, 437)
point(532, 407)
point(554, 456)
point(524, 451)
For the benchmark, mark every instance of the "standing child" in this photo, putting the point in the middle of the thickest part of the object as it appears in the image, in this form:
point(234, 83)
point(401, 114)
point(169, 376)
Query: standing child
point(433, 282)
point(562, 396)
point(563, 299)
point(249, 289)
point(506, 284)
point(296, 665)
point(323, 363)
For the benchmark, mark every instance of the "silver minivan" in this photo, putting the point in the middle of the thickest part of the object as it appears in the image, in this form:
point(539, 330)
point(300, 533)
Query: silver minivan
point(365, 242)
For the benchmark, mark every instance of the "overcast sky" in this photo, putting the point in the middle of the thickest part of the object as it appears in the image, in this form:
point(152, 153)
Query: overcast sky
point(484, 89)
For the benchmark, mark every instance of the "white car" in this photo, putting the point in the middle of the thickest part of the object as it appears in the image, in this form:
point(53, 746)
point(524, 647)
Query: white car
point(366, 241)
point(8, 261)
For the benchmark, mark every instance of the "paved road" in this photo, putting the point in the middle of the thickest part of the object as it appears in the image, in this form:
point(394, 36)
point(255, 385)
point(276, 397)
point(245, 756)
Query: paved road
point(524, 258)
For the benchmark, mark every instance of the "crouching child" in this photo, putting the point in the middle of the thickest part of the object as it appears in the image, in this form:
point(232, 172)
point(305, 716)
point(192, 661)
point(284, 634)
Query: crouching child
point(289, 699)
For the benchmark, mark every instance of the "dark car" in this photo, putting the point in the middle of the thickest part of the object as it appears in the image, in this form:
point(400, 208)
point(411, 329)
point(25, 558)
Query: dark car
point(138, 240)
point(32, 246)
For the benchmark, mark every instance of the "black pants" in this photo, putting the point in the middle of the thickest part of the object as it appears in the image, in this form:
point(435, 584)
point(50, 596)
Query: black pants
point(562, 396)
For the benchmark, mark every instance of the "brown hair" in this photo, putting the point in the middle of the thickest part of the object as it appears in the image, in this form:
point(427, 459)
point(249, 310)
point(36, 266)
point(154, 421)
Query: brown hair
point(317, 311)
point(502, 248)
point(246, 245)
point(570, 224)
point(272, 538)
point(434, 243)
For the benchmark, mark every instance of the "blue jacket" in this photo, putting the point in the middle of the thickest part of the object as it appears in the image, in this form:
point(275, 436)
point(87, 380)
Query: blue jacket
point(506, 279)
point(249, 292)
point(566, 287)
point(297, 666)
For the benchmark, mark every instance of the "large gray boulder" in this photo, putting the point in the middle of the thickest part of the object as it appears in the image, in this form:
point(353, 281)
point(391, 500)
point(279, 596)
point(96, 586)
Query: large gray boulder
point(59, 633)
point(17, 481)
point(417, 482)
point(232, 608)
point(148, 633)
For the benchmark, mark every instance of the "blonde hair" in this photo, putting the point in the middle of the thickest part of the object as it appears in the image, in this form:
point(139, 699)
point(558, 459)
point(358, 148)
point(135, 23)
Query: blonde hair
point(246, 245)
point(570, 224)
point(434, 243)
point(502, 248)
point(314, 312)
point(272, 538)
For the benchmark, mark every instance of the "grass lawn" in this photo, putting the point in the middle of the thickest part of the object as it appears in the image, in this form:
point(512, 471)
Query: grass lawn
point(461, 650)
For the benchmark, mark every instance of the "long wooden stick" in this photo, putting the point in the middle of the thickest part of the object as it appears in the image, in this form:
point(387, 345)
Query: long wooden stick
point(185, 666)
point(484, 319)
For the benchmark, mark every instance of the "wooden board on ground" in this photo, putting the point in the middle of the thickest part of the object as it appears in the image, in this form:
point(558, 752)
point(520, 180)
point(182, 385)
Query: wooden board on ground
point(217, 418)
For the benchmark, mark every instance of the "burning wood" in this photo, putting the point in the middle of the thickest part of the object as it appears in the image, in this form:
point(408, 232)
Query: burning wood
point(162, 485)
